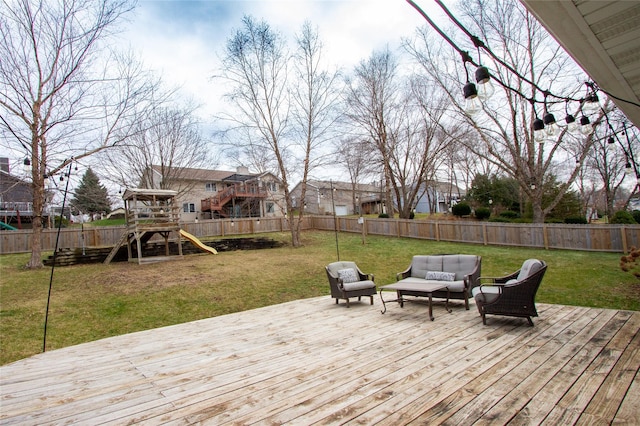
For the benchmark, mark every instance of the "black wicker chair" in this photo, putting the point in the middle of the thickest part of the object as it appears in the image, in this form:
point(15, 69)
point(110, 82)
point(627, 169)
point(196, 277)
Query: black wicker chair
point(347, 280)
point(511, 295)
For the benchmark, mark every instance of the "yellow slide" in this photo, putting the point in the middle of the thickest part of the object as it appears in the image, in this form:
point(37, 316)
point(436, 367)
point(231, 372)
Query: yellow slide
point(196, 242)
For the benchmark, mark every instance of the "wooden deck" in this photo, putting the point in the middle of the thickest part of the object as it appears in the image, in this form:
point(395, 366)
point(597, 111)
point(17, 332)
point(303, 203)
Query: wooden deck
point(311, 361)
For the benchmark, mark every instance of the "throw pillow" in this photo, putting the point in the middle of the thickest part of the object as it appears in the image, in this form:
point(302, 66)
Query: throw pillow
point(440, 276)
point(348, 275)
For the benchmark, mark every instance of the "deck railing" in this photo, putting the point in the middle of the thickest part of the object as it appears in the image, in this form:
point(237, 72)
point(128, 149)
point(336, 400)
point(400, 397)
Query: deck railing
point(607, 238)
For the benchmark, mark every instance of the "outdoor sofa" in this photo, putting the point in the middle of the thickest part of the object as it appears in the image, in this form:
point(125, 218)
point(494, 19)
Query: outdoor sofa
point(460, 272)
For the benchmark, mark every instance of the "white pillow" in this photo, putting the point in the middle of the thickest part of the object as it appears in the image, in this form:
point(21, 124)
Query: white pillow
point(440, 276)
point(348, 275)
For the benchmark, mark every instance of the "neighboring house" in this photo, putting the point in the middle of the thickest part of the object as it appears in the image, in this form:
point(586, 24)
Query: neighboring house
point(438, 197)
point(213, 194)
point(16, 199)
point(327, 197)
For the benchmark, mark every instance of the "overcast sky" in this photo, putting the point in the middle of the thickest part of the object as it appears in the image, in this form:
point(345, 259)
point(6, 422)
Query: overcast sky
point(183, 39)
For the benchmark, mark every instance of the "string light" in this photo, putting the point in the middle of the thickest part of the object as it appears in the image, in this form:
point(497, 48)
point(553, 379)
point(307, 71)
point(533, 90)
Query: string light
point(585, 126)
point(483, 79)
point(474, 94)
point(538, 130)
point(472, 104)
point(551, 128)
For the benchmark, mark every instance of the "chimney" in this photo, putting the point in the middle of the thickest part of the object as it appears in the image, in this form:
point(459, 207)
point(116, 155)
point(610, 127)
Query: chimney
point(242, 170)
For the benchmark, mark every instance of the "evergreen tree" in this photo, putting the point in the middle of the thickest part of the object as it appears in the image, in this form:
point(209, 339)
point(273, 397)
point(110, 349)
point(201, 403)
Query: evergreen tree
point(90, 196)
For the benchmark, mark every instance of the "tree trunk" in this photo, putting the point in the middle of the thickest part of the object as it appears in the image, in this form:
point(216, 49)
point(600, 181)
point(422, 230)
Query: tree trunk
point(538, 213)
point(37, 188)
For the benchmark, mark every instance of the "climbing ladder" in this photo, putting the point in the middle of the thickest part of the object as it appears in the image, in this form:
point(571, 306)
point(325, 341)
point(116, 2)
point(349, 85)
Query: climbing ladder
point(114, 251)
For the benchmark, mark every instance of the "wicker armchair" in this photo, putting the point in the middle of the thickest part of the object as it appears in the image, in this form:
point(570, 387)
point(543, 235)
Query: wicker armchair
point(347, 280)
point(511, 295)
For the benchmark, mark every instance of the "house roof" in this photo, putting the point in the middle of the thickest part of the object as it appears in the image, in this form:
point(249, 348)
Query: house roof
point(342, 186)
point(207, 175)
point(148, 194)
point(200, 174)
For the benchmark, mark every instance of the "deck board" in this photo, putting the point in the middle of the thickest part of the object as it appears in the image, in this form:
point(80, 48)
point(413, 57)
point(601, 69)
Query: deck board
point(314, 362)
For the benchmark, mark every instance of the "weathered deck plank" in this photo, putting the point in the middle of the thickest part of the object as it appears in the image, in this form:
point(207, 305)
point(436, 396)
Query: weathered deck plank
point(314, 362)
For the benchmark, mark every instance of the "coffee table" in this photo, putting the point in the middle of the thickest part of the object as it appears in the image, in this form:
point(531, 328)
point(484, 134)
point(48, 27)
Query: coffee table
point(414, 289)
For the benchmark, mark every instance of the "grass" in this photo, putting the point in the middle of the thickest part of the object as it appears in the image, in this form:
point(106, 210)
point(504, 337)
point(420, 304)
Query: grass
point(90, 302)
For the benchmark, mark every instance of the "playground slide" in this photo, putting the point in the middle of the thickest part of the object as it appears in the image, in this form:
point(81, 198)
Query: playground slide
point(196, 242)
point(7, 226)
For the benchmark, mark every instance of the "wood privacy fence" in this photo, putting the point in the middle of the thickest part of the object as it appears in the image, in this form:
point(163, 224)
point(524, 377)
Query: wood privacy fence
point(105, 236)
point(613, 238)
point(610, 238)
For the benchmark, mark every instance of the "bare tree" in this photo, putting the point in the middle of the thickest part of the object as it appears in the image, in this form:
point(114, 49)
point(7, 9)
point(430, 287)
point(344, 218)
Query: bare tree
point(62, 97)
point(371, 96)
point(358, 158)
point(504, 133)
point(314, 99)
point(401, 119)
point(166, 143)
point(284, 104)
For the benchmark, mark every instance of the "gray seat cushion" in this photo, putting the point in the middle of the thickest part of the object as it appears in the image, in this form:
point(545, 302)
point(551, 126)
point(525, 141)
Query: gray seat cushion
point(486, 293)
point(461, 264)
point(529, 267)
point(359, 285)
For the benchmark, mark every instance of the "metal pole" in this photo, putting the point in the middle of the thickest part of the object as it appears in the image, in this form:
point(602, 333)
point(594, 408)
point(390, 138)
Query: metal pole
point(55, 252)
point(335, 220)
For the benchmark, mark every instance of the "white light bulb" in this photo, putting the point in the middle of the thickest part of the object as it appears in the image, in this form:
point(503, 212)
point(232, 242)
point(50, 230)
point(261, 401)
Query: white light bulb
point(472, 105)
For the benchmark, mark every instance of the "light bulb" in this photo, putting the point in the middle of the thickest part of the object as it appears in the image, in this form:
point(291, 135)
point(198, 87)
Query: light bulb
point(572, 125)
point(471, 104)
point(585, 126)
point(550, 126)
point(591, 104)
point(485, 88)
point(538, 130)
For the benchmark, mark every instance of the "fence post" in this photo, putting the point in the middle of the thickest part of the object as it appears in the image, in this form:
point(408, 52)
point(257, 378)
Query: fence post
point(545, 237)
point(437, 231)
point(623, 232)
point(484, 233)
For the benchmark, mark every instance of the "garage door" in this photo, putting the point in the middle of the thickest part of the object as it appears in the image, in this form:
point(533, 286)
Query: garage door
point(342, 211)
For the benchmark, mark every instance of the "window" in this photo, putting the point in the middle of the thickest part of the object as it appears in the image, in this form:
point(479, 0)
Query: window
point(272, 186)
point(210, 187)
point(188, 207)
point(271, 208)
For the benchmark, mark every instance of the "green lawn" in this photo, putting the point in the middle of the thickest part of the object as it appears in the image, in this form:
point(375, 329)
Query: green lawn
point(90, 302)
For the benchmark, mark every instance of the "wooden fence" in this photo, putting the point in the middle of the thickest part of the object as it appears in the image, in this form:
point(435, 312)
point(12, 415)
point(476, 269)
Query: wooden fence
point(610, 238)
point(104, 236)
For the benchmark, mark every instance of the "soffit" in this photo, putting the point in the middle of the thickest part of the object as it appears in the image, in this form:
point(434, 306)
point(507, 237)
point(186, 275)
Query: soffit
point(603, 37)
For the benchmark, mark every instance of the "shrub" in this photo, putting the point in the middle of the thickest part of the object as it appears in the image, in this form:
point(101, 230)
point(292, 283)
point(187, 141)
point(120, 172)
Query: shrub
point(509, 214)
point(622, 217)
point(383, 216)
point(631, 262)
point(500, 219)
point(461, 209)
point(553, 220)
point(482, 213)
point(636, 215)
point(576, 220)
point(56, 222)
point(412, 215)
